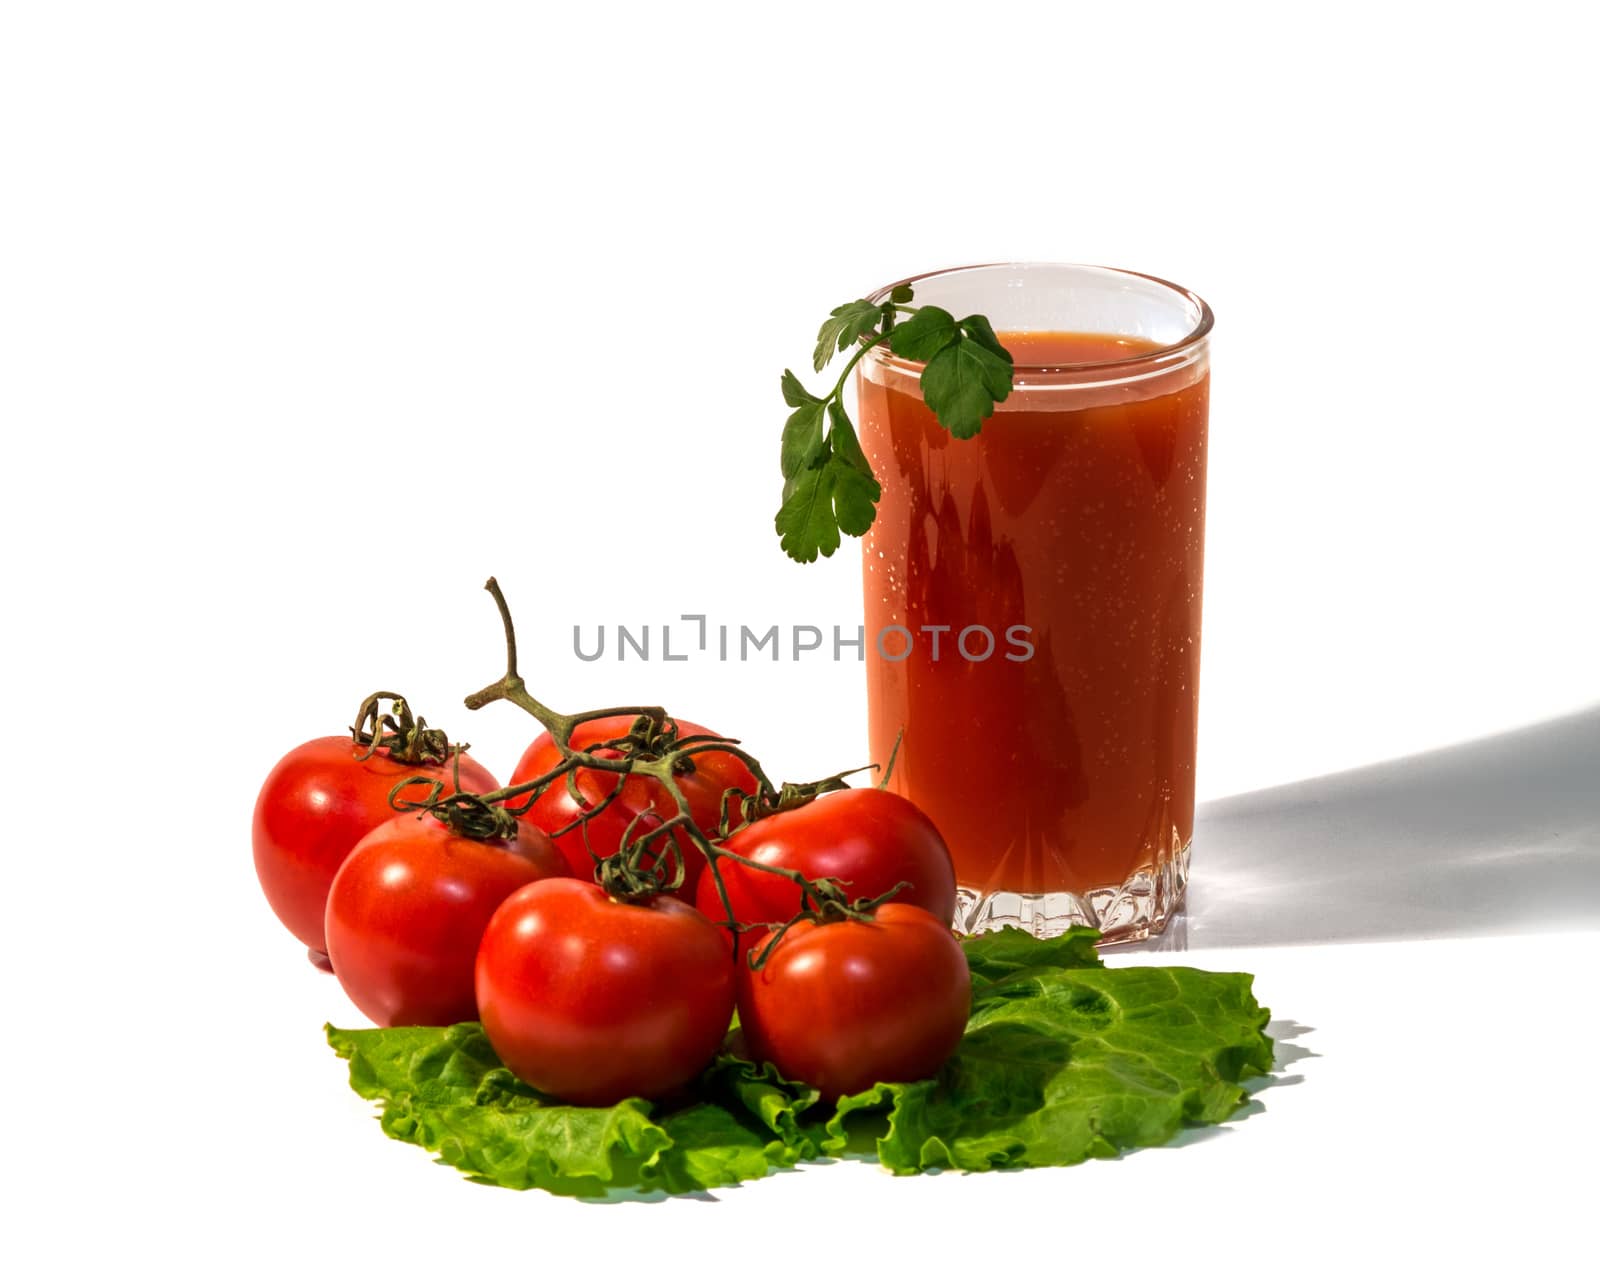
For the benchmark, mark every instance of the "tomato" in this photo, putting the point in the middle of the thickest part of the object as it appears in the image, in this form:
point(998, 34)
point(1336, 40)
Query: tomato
point(714, 773)
point(841, 1005)
point(592, 1000)
point(408, 908)
point(317, 803)
point(869, 839)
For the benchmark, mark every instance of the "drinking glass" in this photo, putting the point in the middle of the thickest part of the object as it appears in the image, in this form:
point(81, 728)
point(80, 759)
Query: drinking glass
point(1033, 597)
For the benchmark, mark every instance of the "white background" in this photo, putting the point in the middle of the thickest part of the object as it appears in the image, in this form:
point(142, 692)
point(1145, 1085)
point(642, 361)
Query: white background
point(314, 315)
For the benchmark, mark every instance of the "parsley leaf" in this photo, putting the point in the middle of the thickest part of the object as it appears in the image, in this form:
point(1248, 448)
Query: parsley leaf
point(844, 326)
point(963, 382)
point(924, 335)
point(977, 327)
point(829, 489)
point(806, 522)
point(802, 438)
point(794, 394)
point(855, 497)
point(842, 440)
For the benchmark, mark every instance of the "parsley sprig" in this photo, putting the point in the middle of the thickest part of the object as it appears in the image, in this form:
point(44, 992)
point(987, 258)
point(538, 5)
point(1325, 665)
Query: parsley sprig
point(828, 484)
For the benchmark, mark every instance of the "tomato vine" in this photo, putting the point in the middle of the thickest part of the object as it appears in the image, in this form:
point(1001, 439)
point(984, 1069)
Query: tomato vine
point(649, 861)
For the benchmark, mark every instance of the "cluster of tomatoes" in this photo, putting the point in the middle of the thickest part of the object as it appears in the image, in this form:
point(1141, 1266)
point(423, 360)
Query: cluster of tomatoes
point(592, 995)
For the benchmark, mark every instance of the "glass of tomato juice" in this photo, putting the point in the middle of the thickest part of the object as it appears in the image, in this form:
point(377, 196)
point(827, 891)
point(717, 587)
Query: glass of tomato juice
point(1033, 597)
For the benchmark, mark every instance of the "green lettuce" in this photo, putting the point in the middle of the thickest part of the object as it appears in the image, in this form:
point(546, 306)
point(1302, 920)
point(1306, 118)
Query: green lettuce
point(1063, 1060)
point(444, 1089)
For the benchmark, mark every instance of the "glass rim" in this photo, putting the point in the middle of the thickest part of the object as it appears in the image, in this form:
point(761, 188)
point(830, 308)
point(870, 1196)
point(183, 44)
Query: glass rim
point(1131, 366)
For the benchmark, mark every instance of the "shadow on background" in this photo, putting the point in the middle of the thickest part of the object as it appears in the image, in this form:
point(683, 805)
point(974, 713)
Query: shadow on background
point(1493, 836)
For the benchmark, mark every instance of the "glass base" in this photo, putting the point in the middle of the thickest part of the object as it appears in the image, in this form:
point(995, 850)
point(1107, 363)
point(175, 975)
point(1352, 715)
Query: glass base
point(1136, 910)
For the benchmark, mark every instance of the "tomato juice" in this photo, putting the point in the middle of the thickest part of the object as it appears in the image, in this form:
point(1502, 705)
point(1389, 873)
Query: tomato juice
point(1079, 512)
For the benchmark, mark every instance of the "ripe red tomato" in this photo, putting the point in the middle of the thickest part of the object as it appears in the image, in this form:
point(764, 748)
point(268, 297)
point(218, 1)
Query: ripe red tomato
point(317, 803)
point(841, 1005)
point(408, 908)
point(869, 839)
point(714, 773)
point(591, 999)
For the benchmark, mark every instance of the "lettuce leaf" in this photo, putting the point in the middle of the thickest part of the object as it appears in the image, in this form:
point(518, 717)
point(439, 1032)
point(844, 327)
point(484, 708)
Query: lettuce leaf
point(1062, 1064)
point(444, 1089)
point(1063, 1060)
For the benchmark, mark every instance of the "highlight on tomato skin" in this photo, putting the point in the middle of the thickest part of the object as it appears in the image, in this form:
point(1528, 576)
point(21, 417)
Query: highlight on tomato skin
point(871, 840)
point(715, 772)
point(842, 1005)
point(408, 908)
point(592, 1000)
point(319, 800)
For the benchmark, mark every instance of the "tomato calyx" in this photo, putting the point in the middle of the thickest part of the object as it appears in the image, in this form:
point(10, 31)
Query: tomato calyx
point(406, 738)
point(823, 903)
point(740, 810)
point(472, 816)
point(462, 812)
point(636, 873)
